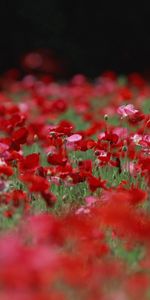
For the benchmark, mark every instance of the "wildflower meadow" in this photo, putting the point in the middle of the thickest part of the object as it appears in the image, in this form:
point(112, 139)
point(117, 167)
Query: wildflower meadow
point(75, 188)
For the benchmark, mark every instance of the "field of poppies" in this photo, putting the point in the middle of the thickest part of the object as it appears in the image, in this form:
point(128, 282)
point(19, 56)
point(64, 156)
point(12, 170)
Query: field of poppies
point(75, 188)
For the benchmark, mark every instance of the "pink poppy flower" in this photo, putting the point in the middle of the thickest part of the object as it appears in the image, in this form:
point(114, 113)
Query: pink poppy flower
point(74, 138)
point(126, 110)
point(90, 200)
point(82, 210)
point(121, 132)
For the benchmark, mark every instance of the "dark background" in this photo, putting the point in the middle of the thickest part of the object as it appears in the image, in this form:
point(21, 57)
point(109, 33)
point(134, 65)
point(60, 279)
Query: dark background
point(88, 38)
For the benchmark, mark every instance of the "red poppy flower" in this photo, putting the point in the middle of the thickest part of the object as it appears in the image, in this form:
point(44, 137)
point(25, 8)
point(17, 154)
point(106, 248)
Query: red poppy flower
point(77, 177)
point(59, 106)
point(85, 165)
point(63, 128)
point(95, 183)
point(103, 156)
point(85, 145)
point(57, 159)
point(19, 137)
point(136, 118)
point(125, 93)
point(95, 127)
point(49, 198)
point(137, 196)
point(35, 183)
point(18, 197)
point(30, 162)
point(8, 213)
point(64, 171)
point(16, 120)
point(6, 170)
point(111, 137)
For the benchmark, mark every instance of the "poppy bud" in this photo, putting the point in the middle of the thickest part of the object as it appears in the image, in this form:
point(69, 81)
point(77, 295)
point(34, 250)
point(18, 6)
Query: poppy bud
point(105, 117)
point(125, 148)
